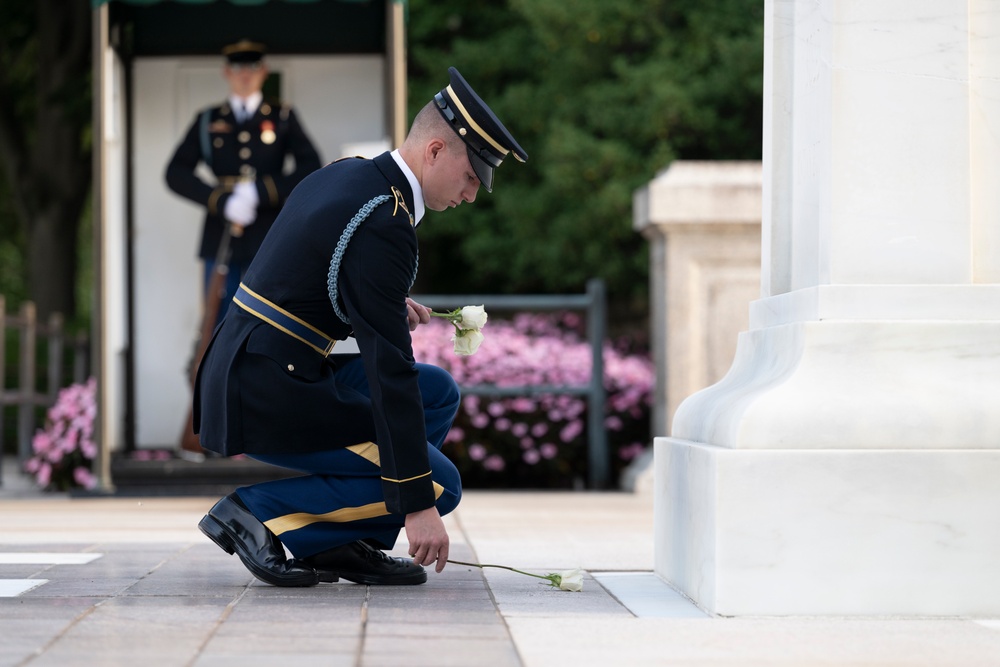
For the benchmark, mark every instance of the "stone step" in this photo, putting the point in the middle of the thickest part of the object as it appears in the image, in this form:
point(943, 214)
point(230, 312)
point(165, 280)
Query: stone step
point(172, 475)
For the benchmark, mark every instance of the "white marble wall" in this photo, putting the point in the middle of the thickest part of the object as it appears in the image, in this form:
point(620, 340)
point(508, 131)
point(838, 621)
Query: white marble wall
point(850, 454)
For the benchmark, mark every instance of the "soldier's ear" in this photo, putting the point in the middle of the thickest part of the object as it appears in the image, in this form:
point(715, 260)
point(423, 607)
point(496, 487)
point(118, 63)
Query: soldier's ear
point(434, 150)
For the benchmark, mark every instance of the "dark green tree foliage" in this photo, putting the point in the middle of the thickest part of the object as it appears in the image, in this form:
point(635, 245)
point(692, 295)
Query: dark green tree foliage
point(44, 140)
point(602, 96)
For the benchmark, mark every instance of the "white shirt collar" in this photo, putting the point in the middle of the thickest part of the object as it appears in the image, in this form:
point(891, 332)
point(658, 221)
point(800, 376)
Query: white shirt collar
point(418, 192)
point(249, 103)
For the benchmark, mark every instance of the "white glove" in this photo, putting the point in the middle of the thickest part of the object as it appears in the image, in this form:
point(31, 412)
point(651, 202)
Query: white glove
point(247, 190)
point(241, 207)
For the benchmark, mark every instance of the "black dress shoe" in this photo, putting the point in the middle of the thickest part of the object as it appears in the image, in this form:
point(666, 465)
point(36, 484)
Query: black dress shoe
point(231, 525)
point(364, 564)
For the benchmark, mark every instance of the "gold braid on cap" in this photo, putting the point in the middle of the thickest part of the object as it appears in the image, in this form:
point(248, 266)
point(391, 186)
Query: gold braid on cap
point(475, 126)
point(243, 45)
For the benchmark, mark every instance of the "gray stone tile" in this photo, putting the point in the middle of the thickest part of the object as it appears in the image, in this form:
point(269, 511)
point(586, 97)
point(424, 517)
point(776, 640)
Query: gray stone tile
point(22, 571)
point(196, 583)
point(437, 651)
point(43, 610)
point(453, 572)
point(416, 615)
point(430, 595)
point(147, 631)
point(276, 640)
point(519, 595)
point(89, 654)
point(223, 659)
point(153, 615)
point(494, 629)
point(338, 628)
point(432, 604)
point(303, 612)
point(23, 639)
point(85, 586)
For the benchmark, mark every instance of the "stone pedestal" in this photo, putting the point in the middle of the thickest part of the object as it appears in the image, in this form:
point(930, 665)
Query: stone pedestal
point(848, 461)
point(702, 220)
point(829, 532)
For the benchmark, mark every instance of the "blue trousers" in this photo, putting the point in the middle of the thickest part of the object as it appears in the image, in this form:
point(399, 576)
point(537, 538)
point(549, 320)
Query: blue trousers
point(339, 499)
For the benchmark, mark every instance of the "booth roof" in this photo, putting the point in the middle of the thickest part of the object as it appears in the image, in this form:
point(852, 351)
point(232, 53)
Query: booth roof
point(201, 27)
point(244, 3)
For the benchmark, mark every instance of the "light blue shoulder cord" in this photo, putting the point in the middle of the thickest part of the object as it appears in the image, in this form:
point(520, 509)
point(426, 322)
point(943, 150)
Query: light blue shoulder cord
point(206, 149)
point(338, 254)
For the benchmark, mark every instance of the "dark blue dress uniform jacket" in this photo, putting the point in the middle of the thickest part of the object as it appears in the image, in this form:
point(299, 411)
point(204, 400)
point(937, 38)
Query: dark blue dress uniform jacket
point(230, 148)
point(260, 390)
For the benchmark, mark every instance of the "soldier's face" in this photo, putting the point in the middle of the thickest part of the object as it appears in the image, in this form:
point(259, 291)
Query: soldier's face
point(245, 79)
point(448, 178)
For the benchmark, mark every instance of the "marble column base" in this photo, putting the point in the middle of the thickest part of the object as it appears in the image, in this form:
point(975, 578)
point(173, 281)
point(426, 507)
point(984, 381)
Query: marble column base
point(843, 384)
point(829, 532)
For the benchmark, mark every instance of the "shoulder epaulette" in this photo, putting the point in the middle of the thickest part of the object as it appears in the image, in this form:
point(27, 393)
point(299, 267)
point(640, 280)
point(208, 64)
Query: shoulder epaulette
point(401, 204)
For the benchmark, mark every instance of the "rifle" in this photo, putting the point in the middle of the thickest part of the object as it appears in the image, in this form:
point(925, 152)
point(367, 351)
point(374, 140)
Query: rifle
point(190, 445)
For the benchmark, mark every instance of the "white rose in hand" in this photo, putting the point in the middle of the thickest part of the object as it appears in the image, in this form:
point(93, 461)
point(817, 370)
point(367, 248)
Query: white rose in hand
point(467, 341)
point(473, 317)
point(467, 322)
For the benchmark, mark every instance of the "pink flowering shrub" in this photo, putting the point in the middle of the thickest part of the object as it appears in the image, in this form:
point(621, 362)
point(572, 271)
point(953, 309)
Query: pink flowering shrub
point(537, 441)
point(65, 448)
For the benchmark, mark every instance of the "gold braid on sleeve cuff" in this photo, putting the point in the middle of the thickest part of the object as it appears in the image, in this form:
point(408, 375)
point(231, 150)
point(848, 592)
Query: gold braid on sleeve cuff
point(408, 479)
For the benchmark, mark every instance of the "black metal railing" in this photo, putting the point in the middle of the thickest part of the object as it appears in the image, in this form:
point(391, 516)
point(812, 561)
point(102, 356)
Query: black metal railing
point(594, 303)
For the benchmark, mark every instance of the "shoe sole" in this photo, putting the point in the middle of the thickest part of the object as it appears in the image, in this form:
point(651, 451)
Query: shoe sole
point(215, 531)
point(328, 576)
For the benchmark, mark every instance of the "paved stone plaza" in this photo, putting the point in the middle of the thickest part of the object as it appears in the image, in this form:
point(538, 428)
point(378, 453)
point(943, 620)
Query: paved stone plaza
point(126, 581)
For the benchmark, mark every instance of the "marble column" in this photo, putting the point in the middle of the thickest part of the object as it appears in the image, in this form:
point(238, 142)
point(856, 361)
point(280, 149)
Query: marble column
point(849, 461)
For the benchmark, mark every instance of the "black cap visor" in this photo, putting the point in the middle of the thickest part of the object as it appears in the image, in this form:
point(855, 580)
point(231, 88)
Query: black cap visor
point(483, 169)
point(244, 51)
point(244, 57)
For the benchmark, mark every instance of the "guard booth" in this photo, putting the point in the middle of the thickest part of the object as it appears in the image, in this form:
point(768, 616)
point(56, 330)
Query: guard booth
point(339, 63)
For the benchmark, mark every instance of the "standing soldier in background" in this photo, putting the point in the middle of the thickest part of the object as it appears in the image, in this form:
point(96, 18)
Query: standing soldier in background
point(245, 143)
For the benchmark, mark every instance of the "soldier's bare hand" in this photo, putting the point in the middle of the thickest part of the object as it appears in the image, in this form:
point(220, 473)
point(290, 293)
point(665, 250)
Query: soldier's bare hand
point(416, 314)
point(428, 538)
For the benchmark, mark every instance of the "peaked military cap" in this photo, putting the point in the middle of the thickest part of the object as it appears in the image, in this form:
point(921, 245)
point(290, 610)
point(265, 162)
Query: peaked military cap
point(486, 139)
point(244, 51)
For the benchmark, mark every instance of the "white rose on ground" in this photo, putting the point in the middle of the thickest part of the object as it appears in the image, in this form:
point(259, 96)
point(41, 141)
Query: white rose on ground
point(570, 580)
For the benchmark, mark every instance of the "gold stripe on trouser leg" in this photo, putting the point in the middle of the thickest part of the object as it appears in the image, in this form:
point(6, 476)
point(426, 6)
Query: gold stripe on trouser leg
point(367, 451)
